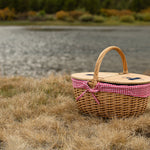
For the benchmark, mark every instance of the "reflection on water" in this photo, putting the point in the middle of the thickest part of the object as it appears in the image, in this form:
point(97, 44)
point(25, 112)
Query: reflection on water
point(38, 51)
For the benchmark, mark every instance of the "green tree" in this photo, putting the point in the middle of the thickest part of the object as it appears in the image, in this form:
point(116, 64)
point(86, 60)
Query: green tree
point(93, 6)
point(23, 5)
point(14, 4)
point(70, 5)
point(51, 6)
point(34, 5)
point(4, 3)
point(137, 5)
point(106, 4)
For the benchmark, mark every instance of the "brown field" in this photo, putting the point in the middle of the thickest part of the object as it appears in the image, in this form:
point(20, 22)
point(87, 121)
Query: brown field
point(41, 114)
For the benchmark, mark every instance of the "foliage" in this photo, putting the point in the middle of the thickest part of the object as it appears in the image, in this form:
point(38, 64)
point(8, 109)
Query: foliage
point(75, 14)
point(99, 19)
point(34, 5)
point(7, 14)
point(145, 10)
point(109, 12)
point(127, 18)
point(70, 10)
point(125, 12)
point(62, 15)
point(92, 6)
point(42, 13)
point(22, 16)
point(69, 19)
point(115, 12)
point(138, 5)
point(142, 16)
point(138, 16)
point(50, 17)
point(21, 5)
point(146, 17)
point(69, 5)
point(31, 13)
point(51, 6)
point(86, 18)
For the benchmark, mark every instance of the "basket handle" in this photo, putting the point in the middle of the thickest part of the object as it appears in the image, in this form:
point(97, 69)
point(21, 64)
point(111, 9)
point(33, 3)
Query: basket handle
point(100, 58)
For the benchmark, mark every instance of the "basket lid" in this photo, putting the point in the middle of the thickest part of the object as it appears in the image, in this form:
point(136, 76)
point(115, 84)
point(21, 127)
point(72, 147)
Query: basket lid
point(115, 78)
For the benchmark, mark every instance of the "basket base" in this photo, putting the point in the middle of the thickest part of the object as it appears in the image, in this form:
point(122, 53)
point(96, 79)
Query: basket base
point(112, 105)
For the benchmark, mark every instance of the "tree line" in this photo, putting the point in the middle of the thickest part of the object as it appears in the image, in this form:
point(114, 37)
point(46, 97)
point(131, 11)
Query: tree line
point(92, 6)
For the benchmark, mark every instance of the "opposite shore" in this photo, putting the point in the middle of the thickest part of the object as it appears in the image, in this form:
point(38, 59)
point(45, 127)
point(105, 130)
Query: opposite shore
point(76, 23)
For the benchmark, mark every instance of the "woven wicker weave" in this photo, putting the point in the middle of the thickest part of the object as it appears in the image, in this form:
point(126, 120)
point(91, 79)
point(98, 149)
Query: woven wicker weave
point(111, 104)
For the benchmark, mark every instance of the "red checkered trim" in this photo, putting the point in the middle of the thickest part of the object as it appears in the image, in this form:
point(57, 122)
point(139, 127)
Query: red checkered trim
point(132, 90)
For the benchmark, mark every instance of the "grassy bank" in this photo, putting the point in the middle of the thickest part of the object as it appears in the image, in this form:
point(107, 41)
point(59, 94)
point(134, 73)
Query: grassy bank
point(42, 115)
point(76, 23)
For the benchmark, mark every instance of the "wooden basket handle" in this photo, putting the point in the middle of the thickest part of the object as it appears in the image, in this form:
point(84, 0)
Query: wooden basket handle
point(100, 58)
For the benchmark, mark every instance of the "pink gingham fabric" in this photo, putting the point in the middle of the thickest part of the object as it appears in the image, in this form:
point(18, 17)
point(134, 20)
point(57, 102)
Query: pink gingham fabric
point(131, 90)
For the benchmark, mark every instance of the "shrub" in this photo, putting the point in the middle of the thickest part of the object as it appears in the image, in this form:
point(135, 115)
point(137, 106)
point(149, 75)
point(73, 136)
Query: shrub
point(142, 16)
point(86, 18)
point(125, 12)
point(42, 13)
point(2, 15)
point(115, 12)
point(146, 17)
point(147, 10)
point(75, 14)
point(99, 19)
point(50, 17)
point(31, 13)
point(127, 18)
point(40, 16)
point(114, 18)
point(109, 12)
point(69, 19)
point(22, 16)
point(138, 16)
point(7, 14)
point(37, 18)
point(62, 15)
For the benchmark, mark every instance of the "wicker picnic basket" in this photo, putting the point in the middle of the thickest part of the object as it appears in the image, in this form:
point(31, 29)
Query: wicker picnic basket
point(109, 94)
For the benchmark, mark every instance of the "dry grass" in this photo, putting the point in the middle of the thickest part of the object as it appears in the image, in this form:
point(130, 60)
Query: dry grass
point(42, 115)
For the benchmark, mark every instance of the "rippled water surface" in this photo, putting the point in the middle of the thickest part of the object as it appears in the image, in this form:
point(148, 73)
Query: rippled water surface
point(39, 51)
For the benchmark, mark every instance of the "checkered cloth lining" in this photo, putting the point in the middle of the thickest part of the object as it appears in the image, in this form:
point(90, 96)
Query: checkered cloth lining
point(132, 90)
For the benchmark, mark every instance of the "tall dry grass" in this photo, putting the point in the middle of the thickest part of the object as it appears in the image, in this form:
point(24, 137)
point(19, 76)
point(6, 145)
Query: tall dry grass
point(42, 115)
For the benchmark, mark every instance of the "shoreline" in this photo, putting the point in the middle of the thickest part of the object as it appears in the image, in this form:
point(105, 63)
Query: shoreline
point(76, 23)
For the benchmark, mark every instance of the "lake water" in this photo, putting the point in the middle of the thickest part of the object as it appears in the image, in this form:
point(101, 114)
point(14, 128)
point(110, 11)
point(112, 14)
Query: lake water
point(39, 51)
